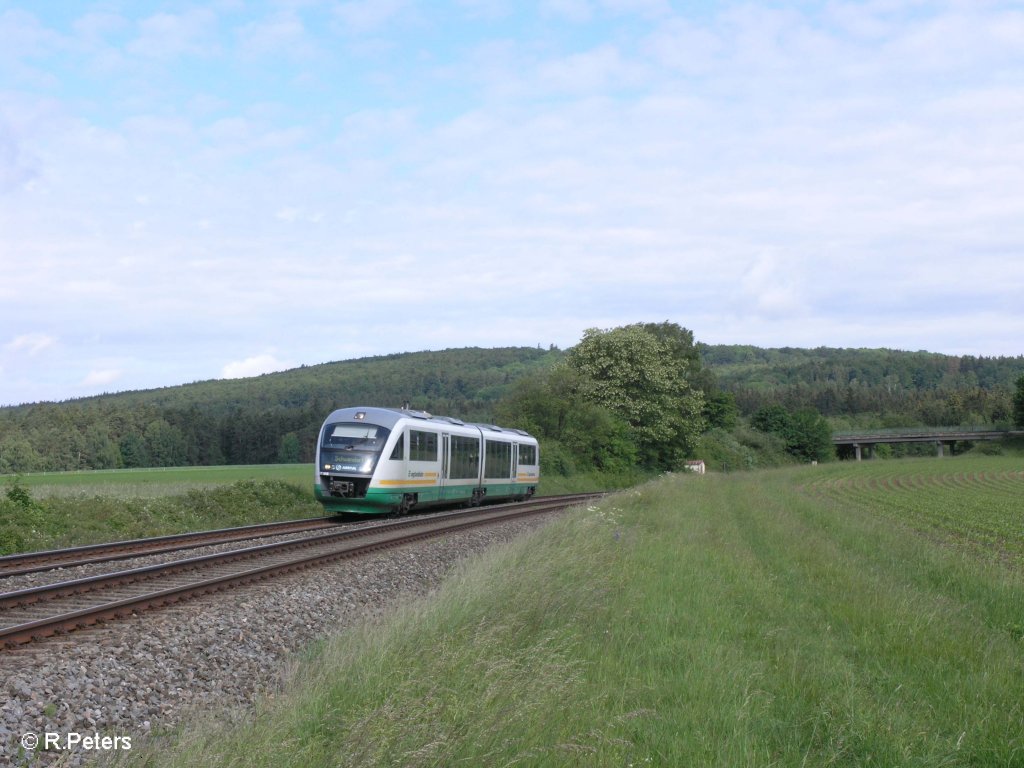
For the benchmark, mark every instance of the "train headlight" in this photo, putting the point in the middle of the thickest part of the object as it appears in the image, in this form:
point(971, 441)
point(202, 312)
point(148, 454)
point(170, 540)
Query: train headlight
point(367, 466)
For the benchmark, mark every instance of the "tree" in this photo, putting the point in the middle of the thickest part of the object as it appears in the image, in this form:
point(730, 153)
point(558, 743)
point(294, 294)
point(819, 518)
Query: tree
point(720, 410)
point(1018, 402)
point(808, 436)
point(642, 374)
point(18, 455)
point(773, 419)
point(288, 451)
point(133, 451)
point(574, 432)
point(100, 451)
point(165, 444)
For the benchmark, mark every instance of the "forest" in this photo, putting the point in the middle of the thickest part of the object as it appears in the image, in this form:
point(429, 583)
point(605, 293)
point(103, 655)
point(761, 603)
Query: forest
point(645, 394)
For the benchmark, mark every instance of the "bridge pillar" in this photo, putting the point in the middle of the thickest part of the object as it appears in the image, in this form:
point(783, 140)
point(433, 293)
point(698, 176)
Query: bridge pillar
point(939, 448)
point(856, 450)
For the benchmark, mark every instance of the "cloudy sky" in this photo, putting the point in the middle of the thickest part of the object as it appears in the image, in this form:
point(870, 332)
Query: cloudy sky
point(203, 190)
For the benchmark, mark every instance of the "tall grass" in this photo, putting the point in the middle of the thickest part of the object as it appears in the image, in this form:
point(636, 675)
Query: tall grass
point(726, 620)
point(56, 509)
point(30, 523)
point(153, 482)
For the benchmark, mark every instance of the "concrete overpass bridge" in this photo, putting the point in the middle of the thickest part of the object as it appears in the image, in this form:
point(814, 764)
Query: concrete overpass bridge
point(941, 436)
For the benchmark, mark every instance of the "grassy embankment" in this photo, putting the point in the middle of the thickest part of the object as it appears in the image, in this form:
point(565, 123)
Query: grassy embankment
point(43, 511)
point(839, 615)
point(60, 509)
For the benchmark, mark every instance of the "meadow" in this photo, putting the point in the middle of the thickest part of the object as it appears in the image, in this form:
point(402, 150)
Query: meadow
point(847, 614)
point(64, 509)
point(47, 510)
point(161, 481)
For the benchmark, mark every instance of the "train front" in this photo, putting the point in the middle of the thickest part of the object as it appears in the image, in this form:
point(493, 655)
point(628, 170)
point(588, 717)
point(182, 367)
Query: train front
point(350, 446)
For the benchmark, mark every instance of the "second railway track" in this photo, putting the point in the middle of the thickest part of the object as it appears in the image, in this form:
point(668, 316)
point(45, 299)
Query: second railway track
point(34, 613)
point(35, 562)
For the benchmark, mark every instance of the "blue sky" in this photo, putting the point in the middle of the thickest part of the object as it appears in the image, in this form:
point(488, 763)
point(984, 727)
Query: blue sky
point(196, 191)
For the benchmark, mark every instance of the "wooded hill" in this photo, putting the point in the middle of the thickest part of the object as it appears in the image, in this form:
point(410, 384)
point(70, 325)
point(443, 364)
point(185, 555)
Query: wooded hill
point(259, 420)
point(275, 417)
point(869, 387)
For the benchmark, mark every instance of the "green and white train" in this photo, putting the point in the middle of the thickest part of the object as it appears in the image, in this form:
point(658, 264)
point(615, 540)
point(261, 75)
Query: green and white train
point(388, 460)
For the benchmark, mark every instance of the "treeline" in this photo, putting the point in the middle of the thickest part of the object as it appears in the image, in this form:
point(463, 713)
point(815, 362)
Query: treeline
point(643, 395)
point(870, 387)
point(266, 419)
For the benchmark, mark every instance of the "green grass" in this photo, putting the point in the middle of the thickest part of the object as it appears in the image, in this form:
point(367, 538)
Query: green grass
point(59, 509)
point(158, 481)
point(753, 619)
point(90, 512)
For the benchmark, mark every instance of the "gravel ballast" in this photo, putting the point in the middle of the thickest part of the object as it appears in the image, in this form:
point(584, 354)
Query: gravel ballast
point(217, 652)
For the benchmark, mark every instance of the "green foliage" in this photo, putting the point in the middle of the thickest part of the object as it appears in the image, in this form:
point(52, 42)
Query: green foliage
point(989, 448)
point(576, 435)
point(720, 409)
point(642, 374)
point(21, 516)
point(773, 419)
point(253, 421)
point(829, 617)
point(1018, 403)
point(18, 494)
point(17, 454)
point(30, 524)
point(250, 421)
point(807, 435)
point(741, 448)
point(289, 451)
point(869, 386)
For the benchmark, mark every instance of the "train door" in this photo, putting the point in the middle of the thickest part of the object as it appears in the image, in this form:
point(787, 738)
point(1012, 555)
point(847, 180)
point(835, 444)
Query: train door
point(446, 440)
point(515, 461)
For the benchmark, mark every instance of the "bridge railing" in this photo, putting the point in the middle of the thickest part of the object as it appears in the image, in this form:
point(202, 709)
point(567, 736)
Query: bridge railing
point(933, 432)
point(897, 431)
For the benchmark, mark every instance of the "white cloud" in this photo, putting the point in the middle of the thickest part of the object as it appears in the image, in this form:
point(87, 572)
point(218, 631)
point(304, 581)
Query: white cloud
point(759, 169)
point(32, 343)
point(650, 8)
point(22, 35)
point(572, 10)
point(101, 377)
point(283, 33)
point(254, 366)
point(167, 35)
point(597, 69)
point(364, 16)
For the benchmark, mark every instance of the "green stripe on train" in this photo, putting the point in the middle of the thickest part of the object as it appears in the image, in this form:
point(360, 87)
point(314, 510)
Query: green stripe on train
point(379, 500)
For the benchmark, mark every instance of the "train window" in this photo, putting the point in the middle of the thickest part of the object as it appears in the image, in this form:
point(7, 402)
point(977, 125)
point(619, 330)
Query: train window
point(528, 454)
point(465, 458)
point(364, 437)
point(422, 445)
point(499, 459)
point(398, 454)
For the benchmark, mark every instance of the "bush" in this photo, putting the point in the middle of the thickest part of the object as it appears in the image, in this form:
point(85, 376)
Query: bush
point(741, 448)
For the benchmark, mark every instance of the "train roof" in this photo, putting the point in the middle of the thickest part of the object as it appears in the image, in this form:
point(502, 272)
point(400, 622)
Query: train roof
point(389, 417)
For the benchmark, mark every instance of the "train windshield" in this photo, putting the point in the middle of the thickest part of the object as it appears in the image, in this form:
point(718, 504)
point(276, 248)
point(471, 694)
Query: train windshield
point(355, 437)
point(352, 448)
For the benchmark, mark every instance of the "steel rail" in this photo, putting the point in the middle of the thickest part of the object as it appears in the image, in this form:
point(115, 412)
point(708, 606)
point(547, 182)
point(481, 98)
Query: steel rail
point(328, 547)
point(51, 559)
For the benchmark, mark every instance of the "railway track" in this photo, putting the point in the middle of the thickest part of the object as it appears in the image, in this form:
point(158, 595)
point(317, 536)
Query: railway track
point(31, 614)
point(35, 562)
